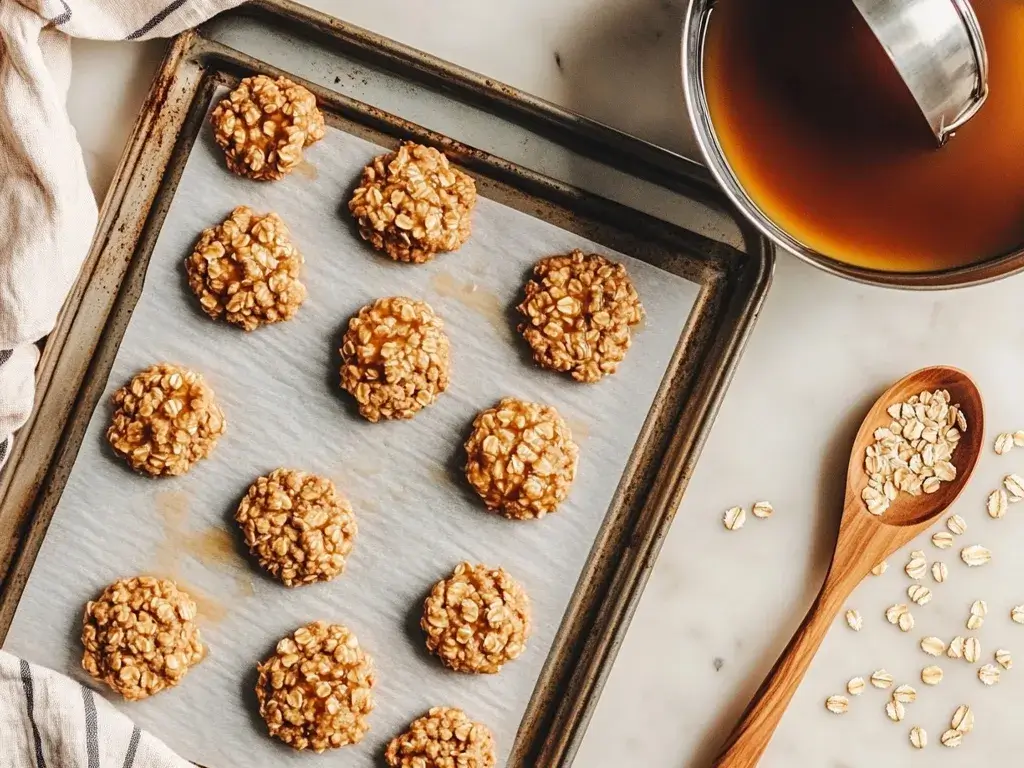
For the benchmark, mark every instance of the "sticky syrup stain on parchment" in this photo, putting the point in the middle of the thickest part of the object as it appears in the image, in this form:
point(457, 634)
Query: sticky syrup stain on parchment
point(208, 609)
point(306, 170)
point(483, 302)
point(213, 546)
point(579, 428)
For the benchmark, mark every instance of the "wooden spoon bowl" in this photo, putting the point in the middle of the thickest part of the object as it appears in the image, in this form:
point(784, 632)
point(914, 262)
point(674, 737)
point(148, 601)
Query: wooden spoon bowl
point(864, 541)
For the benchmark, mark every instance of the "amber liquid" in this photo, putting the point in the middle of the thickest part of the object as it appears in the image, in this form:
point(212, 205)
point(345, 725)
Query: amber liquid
point(825, 138)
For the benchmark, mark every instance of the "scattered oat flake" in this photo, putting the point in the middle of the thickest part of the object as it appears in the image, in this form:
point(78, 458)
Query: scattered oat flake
point(905, 694)
point(918, 737)
point(1018, 438)
point(939, 571)
point(1017, 614)
point(893, 612)
point(917, 566)
point(931, 675)
point(988, 674)
point(919, 593)
point(979, 610)
point(854, 620)
point(975, 555)
point(942, 539)
point(879, 569)
point(952, 738)
point(933, 646)
point(972, 649)
point(997, 503)
point(956, 525)
point(956, 648)
point(1004, 442)
point(837, 704)
point(895, 710)
point(963, 719)
point(763, 510)
point(1003, 658)
point(734, 518)
point(906, 622)
point(856, 686)
point(881, 679)
point(1014, 485)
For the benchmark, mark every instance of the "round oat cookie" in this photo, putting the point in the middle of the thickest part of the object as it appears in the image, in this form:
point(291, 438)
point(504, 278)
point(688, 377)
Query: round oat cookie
point(298, 526)
point(443, 738)
point(263, 126)
point(477, 619)
point(521, 458)
point(315, 692)
point(579, 309)
point(395, 358)
point(140, 636)
point(413, 204)
point(165, 420)
point(247, 270)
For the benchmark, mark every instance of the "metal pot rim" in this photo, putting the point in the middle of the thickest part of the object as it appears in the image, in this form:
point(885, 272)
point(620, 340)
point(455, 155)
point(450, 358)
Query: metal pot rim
point(694, 30)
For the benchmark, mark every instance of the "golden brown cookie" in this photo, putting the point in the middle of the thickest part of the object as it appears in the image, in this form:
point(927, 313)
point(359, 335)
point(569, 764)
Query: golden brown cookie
point(395, 358)
point(140, 636)
point(443, 738)
point(298, 526)
point(521, 458)
point(165, 420)
point(315, 691)
point(477, 619)
point(579, 309)
point(263, 126)
point(413, 204)
point(247, 270)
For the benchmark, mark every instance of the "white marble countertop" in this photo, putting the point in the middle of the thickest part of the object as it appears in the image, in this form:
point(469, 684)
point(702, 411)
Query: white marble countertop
point(721, 605)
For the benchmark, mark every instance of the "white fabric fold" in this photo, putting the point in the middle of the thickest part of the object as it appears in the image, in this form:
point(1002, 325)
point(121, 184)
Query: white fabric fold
point(49, 721)
point(47, 209)
point(47, 221)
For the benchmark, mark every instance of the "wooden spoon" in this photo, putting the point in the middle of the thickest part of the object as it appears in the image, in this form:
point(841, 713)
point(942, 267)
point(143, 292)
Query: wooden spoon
point(864, 541)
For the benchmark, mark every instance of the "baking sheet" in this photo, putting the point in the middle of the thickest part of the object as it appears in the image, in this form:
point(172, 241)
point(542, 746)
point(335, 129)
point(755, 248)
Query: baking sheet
point(278, 388)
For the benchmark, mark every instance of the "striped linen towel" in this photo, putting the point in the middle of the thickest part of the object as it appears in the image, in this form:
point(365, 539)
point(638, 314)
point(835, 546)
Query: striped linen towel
point(50, 721)
point(47, 220)
point(47, 210)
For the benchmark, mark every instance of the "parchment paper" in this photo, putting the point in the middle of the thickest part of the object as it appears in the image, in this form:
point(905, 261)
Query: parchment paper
point(279, 389)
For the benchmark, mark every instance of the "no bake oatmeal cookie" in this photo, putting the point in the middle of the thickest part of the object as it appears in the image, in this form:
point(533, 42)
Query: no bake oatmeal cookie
point(412, 204)
point(579, 309)
point(246, 270)
point(140, 636)
point(264, 124)
point(443, 738)
point(521, 458)
point(316, 690)
point(165, 420)
point(297, 526)
point(477, 619)
point(395, 358)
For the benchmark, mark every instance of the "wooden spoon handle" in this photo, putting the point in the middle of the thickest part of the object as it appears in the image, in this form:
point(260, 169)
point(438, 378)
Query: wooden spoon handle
point(750, 738)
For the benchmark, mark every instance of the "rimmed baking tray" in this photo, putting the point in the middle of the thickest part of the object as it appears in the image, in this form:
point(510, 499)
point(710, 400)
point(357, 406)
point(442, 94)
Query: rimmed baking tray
point(72, 519)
